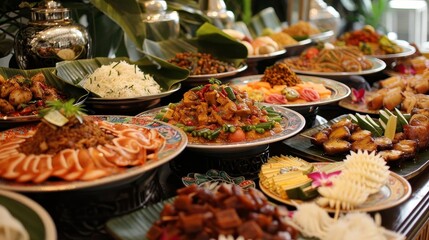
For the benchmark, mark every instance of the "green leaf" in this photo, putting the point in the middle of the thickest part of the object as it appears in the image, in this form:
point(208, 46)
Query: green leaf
point(213, 40)
point(126, 13)
point(209, 39)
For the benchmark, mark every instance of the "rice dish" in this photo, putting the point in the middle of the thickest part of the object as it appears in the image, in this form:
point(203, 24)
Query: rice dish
point(121, 80)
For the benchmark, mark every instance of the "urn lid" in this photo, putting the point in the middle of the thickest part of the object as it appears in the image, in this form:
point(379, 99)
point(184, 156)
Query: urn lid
point(50, 13)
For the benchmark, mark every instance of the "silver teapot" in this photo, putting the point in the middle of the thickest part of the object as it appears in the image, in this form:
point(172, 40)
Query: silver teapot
point(50, 37)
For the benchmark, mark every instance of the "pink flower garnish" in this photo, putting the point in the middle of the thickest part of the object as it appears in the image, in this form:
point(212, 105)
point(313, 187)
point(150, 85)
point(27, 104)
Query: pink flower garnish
point(358, 95)
point(322, 179)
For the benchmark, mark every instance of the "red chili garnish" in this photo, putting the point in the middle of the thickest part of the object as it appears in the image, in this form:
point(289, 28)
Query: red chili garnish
point(215, 108)
point(40, 103)
point(190, 123)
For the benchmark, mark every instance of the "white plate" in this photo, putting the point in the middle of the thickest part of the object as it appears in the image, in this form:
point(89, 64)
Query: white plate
point(175, 144)
point(255, 58)
point(378, 65)
point(292, 124)
point(407, 51)
point(194, 79)
point(33, 217)
point(338, 90)
point(396, 191)
point(323, 36)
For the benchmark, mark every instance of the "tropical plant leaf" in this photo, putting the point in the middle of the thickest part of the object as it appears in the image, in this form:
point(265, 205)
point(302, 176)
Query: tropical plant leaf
point(127, 14)
point(213, 40)
point(165, 73)
point(209, 39)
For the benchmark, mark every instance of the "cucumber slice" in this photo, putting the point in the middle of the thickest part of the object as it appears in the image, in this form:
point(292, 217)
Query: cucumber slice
point(401, 120)
point(363, 123)
point(303, 192)
point(383, 115)
point(382, 124)
point(353, 119)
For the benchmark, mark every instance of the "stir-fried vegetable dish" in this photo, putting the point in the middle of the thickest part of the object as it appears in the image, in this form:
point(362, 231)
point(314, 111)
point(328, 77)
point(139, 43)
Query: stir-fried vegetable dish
point(220, 113)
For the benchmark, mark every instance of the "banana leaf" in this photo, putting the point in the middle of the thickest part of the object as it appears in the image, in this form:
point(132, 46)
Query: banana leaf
point(209, 39)
point(127, 14)
point(164, 73)
point(69, 90)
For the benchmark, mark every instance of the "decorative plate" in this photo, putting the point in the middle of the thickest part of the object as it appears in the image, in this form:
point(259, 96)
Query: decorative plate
point(213, 178)
point(338, 90)
point(69, 90)
point(261, 57)
point(347, 103)
point(199, 79)
point(35, 219)
point(378, 65)
point(408, 50)
point(301, 146)
point(175, 144)
point(396, 191)
point(292, 124)
point(321, 37)
point(297, 48)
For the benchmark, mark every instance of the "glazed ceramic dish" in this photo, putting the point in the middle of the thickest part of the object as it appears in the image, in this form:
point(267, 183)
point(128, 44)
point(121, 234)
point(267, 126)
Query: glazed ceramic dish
point(199, 79)
point(292, 124)
point(175, 143)
point(338, 90)
point(396, 191)
point(378, 65)
point(301, 146)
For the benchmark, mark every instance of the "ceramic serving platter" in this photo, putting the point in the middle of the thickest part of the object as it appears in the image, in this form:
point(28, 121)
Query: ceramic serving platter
point(175, 143)
point(300, 145)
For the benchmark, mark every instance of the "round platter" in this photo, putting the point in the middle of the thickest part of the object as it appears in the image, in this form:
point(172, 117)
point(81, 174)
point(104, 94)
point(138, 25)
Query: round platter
point(323, 36)
point(33, 217)
point(296, 49)
point(378, 65)
point(175, 143)
point(347, 103)
point(261, 57)
point(198, 79)
point(338, 90)
point(126, 105)
point(408, 50)
point(396, 191)
point(292, 124)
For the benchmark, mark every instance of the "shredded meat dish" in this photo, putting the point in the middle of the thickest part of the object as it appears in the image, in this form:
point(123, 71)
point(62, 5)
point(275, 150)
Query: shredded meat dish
point(49, 139)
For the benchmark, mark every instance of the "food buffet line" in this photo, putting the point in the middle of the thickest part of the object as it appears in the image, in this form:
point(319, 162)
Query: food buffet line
point(294, 135)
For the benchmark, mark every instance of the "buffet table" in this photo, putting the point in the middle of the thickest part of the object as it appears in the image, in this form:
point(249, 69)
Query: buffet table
point(82, 214)
point(410, 218)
